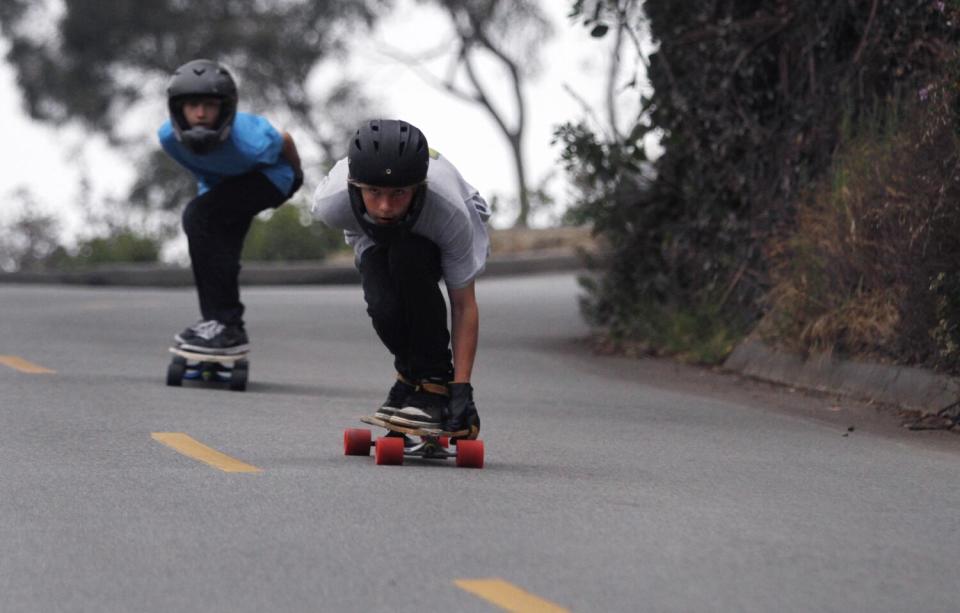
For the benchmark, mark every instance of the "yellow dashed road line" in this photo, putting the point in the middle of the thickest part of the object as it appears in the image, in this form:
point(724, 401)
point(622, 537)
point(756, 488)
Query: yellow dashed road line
point(508, 596)
point(23, 365)
point(192, 448)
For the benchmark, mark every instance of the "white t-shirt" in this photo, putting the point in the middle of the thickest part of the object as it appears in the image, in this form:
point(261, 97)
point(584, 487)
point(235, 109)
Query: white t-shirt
point(453, 217)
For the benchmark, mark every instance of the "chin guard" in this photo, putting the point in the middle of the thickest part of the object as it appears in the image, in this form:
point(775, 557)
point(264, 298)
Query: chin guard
point(202, 140)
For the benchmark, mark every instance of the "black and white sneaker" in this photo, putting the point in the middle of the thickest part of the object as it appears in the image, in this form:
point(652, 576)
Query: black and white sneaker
point(193, 332)
point(396, 398)
point(425, 408)
point(215, 337)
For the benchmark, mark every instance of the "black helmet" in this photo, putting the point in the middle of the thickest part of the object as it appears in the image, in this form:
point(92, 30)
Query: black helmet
point(201, 78)
point(388, 153)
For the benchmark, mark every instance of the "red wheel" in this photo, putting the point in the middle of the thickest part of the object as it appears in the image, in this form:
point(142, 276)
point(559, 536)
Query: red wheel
point(443, 441)
point(389, 450)
point(356, 441)
point(470, 454)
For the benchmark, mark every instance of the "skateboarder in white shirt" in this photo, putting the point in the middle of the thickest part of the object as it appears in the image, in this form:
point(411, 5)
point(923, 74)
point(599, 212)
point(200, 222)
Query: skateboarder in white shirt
point(413, 221)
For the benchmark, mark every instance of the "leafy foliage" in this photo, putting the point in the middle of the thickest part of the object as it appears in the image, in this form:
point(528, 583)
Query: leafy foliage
point(103, 62)
point(121, 246)
point(30, 239)
point(31, 242)
point(750, 99)
point(290, 234)
point(102, 52)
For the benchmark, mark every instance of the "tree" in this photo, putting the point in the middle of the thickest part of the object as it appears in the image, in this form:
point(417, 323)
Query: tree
point(103, 62)
point(751, 99)
point(625, 18)
point(102, 53)
point(31, 241)
point(28, 240)
point(508, 34)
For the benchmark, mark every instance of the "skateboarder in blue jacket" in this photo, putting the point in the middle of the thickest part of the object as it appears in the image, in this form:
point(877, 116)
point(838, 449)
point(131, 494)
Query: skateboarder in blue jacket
point(243, 166)
point(413, 221)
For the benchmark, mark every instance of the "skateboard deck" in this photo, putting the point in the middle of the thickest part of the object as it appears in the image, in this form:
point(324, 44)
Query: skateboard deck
point(423, 432)
point(233, 368)
point(434, 444)
point(222, 358)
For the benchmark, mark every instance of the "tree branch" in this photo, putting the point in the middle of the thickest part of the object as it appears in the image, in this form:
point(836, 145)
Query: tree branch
point(587, 109)
point(866, 33)
point(481, 98)
point(512, 68)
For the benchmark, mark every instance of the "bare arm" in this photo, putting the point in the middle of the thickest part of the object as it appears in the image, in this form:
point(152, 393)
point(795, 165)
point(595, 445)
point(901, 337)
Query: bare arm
point(290, 151)
point(465, 320)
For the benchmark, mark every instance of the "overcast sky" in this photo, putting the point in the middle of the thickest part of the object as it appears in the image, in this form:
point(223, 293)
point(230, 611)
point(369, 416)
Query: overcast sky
point(49, 161)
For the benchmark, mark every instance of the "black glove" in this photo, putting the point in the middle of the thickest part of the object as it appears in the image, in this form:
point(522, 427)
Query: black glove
point(297, 181)
point(463, 411)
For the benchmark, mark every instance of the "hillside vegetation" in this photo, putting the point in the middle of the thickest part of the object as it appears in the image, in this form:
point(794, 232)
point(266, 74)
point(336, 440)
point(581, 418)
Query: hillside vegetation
point(807, 189)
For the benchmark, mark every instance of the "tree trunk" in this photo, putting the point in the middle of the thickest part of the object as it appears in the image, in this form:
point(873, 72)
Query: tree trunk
point(523, 195)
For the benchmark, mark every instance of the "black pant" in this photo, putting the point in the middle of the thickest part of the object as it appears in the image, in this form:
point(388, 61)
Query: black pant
point(401, 287)
point(216, 224)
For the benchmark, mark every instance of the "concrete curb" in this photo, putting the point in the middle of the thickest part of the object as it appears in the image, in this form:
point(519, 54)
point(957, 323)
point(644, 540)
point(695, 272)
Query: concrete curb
point(904, 386)
point(283, 273)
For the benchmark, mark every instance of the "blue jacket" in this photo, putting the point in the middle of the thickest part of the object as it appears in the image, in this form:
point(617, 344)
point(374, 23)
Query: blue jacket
point(253, 144)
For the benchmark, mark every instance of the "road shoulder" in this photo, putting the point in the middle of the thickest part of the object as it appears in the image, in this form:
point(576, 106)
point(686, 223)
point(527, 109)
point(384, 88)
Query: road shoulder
point(849, 415)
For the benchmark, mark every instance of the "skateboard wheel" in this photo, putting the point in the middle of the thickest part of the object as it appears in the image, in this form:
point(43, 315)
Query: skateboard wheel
point(356, 441)
point(238, 375)
point(443, 441)
point(175, 371)
point(470, 454)
point(389, 450)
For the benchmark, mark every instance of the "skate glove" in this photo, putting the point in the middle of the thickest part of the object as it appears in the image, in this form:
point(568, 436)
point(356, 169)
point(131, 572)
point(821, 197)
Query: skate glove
point(463, 412)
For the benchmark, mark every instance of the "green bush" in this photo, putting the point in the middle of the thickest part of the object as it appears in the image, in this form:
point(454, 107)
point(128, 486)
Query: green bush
point(289, 234)
point(31, 243)
point(122, 246)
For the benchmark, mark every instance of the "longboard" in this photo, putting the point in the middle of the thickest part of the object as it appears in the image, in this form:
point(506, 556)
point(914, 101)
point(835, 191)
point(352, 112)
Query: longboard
point(222, 358)
point(433, 444)
point(233, 368)
point(373, 420)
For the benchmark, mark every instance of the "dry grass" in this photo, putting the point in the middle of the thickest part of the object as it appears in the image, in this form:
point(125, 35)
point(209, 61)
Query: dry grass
point(855, 275)
point(524, 240)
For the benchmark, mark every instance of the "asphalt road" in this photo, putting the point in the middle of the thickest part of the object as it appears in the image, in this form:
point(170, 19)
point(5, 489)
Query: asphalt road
point(604, 488)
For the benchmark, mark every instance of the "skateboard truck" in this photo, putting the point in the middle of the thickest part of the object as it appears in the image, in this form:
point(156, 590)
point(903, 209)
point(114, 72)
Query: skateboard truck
point(191, 365)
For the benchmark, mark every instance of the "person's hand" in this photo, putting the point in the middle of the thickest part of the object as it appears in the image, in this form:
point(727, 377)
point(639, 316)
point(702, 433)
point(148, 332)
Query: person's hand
point(463, 412)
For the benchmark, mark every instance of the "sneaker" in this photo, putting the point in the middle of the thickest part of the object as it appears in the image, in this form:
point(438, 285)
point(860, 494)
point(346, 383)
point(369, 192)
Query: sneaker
point(425, 408)
point(193, 332)
point(218, 338)
point(401, 390)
